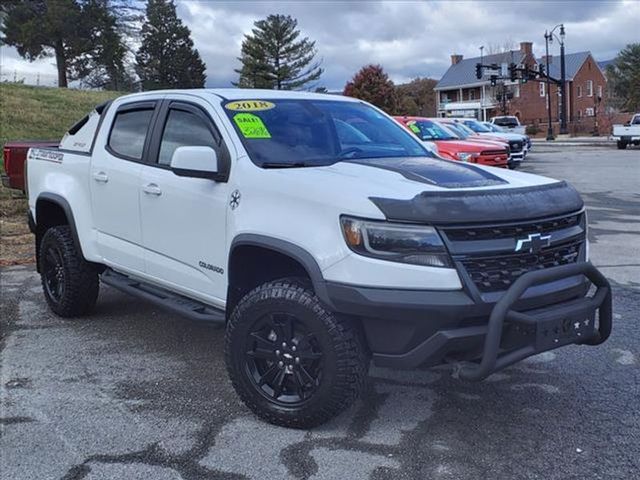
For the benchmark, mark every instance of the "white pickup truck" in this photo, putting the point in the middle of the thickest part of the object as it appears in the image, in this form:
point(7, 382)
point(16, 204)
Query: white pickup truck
point(510, 123)
point(629, 133)
point(320, 232)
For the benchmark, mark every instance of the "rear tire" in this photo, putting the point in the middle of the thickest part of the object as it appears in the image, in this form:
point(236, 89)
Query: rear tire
point(621, 145)
point(70, 283)
point(291, 361)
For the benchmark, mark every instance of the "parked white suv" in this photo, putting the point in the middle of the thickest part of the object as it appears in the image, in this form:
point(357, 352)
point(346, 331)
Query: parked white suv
point(320, 231)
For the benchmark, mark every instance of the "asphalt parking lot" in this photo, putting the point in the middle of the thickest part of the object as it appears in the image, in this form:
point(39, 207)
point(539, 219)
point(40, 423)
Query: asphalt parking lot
point(134, 393)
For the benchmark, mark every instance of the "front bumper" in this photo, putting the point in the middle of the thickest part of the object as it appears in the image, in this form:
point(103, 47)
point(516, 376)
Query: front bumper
point(410, 328)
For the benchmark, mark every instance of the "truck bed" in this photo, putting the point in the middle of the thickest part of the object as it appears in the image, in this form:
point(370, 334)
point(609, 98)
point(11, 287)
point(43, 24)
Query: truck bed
point(15, 155)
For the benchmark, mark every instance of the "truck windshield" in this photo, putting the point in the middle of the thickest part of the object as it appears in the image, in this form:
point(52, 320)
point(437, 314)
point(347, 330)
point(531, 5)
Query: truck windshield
point(476, 126)
point(428, 130)
point(296, 133)
point(494, 128)
point(458, 130)
point(509, 122)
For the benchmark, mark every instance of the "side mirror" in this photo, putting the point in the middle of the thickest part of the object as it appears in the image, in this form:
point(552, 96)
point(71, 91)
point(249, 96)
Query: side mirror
point(195, 162)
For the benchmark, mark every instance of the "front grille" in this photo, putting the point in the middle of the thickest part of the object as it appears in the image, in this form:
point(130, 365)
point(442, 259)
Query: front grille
point(513, 230)
point(497, 273)
point(493, 152)
point(516, 146)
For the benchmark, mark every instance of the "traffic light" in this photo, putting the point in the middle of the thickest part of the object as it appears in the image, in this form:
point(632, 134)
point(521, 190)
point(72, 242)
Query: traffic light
point(494, 79)
point(541, 69)
point(478, 71)
point(513, 73)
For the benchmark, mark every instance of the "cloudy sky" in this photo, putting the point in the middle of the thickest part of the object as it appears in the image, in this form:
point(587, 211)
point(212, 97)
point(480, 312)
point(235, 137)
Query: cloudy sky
point(408, 38)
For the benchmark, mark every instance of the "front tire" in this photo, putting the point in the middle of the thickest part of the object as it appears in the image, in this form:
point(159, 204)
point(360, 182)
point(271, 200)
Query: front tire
point(291, 361)
point(70, 283)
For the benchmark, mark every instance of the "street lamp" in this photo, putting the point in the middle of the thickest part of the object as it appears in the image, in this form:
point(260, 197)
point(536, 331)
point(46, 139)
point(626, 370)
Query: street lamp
point(563, 77)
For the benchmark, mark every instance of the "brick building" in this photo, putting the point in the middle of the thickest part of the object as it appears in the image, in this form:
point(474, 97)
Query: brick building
point(460, 93)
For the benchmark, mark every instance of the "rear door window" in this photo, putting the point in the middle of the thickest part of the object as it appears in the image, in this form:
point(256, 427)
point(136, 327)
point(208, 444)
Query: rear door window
point(129, 132)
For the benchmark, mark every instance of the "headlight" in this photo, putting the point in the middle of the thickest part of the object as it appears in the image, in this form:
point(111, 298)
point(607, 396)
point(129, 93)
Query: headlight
point(395, 242)
point(466, 156)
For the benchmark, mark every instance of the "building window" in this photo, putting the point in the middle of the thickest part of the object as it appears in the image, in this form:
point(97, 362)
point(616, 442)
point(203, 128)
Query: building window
point(472, 95)
point(444, 98)
point(600, 91)
point(588, 112)
point(516, 91)
point(579, 91)
point(543, 90)
point(589, 88)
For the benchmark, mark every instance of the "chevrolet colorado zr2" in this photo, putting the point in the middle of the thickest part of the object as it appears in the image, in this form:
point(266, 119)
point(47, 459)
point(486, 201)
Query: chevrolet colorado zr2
point(320, 232)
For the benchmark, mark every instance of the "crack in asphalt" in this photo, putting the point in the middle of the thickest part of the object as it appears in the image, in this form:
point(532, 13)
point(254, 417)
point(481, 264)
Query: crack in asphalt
point(186, 464)
point(14, 420)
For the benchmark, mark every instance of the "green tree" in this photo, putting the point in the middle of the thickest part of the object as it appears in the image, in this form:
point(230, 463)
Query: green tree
point(274, 56)
point(373, 85)
point(44, 28)
point(105, 66)
point(417, 98)
point(624, 75)
point(167, 57)
point(87, 37)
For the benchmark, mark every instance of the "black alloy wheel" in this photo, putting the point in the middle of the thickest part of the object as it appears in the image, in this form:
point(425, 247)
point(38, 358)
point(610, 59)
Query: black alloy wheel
point(53, 275)
point(292, 361)
point(69, 282)
point(284, 359)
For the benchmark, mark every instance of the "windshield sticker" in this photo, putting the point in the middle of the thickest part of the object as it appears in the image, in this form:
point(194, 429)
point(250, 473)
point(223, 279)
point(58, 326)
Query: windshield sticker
point(249, 106)
point(413, 127)
point(251, 126)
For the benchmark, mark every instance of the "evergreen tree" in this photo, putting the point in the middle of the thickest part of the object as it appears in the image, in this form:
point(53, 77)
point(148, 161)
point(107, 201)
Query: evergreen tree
point(373, 85)
point(273, 56)
point(106, 65)
point(624, 77)
point(44, 28)
point(167, 57)
point(87, 37)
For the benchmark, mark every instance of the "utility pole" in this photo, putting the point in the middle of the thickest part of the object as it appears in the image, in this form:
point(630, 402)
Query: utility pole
point(562, 106)
point(548, 36)
point(563, 85)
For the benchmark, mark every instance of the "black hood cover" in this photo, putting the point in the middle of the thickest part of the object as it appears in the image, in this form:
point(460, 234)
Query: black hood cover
point(434, 171)
point(482, 206)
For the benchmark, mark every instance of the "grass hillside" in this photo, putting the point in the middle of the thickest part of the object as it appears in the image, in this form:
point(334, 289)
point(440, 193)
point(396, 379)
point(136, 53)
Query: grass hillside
point(38, 113)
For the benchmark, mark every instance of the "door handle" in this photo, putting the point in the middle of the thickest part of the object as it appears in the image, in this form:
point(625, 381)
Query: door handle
point(100, 177)
point(152, 189)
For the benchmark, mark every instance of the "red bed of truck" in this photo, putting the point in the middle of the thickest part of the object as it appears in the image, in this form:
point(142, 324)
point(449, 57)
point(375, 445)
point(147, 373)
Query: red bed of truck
point(15, 154)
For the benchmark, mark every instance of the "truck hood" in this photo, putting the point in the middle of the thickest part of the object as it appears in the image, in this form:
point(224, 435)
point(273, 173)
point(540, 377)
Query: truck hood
point(464, 146)
point(507, 135)
point(431, 190)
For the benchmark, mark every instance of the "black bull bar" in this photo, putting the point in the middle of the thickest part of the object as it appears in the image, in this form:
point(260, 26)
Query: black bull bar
point(555, 326)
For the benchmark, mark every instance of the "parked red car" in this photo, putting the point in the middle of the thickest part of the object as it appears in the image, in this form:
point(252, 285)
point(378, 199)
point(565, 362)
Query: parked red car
point(465, 133)
point(452, 148)
point(15, 156)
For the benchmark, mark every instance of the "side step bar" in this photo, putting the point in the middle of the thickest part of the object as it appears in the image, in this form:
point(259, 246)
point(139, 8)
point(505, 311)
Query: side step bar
point(174, 302)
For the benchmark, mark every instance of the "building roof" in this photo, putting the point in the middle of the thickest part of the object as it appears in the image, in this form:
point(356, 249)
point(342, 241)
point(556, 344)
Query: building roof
point(464, 72)
point(573, 62)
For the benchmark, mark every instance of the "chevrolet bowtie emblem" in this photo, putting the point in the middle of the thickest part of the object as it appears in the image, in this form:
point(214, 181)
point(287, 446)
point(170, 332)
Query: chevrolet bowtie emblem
point(533, 243)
